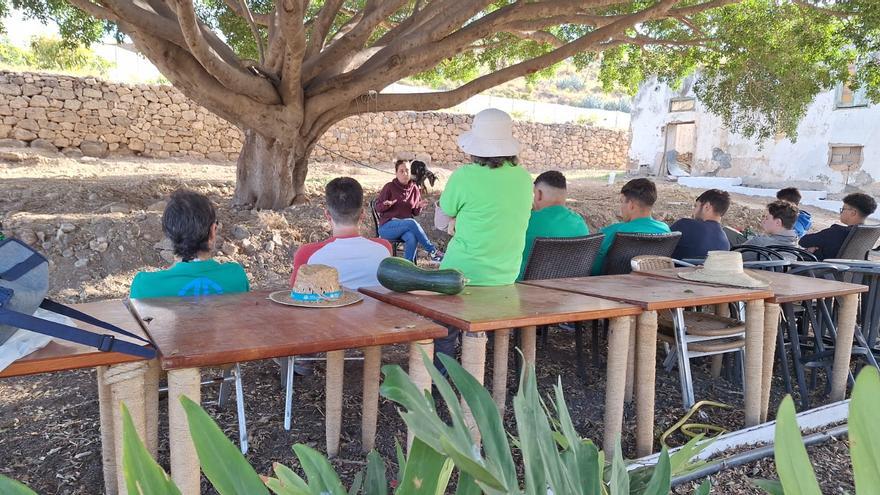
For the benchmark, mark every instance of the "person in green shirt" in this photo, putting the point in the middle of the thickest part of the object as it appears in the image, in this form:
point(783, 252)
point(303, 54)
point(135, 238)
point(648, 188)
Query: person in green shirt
point(637, 198)
point(550, 217)
point(490, 200)
point(190, 222)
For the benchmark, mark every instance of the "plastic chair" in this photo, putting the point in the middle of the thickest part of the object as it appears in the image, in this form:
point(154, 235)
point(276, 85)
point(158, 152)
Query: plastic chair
point(565, 258)
point(627, 246)
point(693, 334)
point(395, 243)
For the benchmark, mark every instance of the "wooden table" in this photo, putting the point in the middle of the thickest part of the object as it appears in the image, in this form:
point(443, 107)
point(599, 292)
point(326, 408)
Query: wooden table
point(499, 309)
point(653, 294)
point(210, 331)
point(788, 289)
point(122, 378)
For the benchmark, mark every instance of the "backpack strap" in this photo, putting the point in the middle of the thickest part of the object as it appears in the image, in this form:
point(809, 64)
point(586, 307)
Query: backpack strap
point(55, 307)
point(102, 342)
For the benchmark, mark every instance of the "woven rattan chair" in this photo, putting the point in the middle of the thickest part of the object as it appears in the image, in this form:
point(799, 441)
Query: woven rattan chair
point(395, 243)
point(562, 257)
point(566, 257)
point(692, 334)
point(627, 246)
point(858, 242)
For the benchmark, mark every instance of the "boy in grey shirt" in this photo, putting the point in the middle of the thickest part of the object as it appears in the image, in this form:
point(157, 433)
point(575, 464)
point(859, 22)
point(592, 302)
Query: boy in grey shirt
point(778, 226)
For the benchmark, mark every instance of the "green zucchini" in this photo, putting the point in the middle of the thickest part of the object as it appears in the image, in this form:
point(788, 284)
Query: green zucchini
point(400, 275)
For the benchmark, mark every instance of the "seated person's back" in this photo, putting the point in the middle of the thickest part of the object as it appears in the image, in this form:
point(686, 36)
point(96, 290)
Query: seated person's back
point(637, 198)
point(550, 217)
point(857, 207)
point(356, 258)
point(190, 222)
point(703, 232)
point(778, 227)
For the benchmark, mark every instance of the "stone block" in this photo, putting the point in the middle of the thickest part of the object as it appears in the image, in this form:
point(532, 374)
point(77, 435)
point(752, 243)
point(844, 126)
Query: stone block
point(93, 148)
point(43, 144)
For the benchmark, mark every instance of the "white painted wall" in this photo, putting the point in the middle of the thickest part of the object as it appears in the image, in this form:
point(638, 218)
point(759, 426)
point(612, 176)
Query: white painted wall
point(779, 162)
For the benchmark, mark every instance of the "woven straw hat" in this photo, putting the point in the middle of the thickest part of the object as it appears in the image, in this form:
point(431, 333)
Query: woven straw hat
point(491, 135)
point(317, 286)
point(724, 268)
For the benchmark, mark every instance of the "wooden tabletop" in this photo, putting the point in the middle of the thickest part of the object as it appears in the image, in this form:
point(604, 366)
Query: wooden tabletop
point(652, 293)
point(481, 309)
point(785, 288)
point(209, 331)
point(60, 355)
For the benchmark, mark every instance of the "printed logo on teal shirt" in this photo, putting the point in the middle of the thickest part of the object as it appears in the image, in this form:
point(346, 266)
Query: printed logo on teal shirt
point(201, 286)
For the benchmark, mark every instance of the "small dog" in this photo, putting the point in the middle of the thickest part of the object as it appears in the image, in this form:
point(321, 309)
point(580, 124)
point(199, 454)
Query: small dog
point(419, 173)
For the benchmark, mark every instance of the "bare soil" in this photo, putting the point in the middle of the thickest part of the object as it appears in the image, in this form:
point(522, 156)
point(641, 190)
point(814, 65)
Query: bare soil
point(99, 223)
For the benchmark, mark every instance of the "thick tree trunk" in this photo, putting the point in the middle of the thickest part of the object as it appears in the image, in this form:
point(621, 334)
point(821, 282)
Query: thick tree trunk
point(270, 174)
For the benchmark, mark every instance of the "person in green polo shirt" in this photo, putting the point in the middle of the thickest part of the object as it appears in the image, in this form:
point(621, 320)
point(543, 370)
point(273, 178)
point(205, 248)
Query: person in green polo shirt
point(637, 198)
point(490, 200)
point(550, 217)
point(190, 221)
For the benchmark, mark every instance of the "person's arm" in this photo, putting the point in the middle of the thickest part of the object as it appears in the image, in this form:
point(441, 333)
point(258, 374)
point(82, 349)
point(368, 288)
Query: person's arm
point(384, 201)
point(451, 200)
point(417, 202)
point(821, 243)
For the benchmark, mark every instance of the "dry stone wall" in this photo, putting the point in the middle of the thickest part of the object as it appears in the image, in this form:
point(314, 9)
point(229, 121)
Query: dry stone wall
point(97, 118)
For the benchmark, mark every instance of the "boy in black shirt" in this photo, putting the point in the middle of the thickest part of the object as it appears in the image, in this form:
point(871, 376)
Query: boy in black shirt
point(826, 243)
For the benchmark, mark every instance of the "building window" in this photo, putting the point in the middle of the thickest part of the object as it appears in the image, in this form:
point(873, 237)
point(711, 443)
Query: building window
point(682, 104)
point(846, 97)
point(845, 157)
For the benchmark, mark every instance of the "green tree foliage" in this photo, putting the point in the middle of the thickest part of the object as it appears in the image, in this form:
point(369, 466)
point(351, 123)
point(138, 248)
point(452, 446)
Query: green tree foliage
point(53, 54)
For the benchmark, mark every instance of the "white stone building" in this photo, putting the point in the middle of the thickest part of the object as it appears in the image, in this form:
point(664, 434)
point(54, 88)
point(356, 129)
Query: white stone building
point(837, 147)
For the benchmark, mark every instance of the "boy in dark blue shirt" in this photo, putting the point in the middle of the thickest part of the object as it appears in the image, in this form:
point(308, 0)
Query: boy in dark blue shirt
point(703, 232)
point(857, 207)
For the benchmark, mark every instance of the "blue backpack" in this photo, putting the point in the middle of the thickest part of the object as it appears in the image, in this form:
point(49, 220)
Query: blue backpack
point(24, 281)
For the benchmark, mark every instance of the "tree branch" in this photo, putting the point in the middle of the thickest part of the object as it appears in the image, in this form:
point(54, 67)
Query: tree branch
point(435, 101)
point(249, 17)
point(95, 10)
point(291, 15)
point(321, 26)
point(188, 75)
point(234, 78)
point(241, 10)
point(539, 36)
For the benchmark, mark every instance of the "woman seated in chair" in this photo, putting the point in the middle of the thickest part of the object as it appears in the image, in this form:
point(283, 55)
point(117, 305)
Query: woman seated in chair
point(397, 205)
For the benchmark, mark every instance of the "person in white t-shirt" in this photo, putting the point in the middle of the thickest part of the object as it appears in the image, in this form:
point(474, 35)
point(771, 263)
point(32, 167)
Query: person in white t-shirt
point(355, 257)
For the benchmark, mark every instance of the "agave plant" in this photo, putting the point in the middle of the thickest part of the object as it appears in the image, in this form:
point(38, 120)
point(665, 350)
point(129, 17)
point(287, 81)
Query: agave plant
point(555, 459)
point(796, 475)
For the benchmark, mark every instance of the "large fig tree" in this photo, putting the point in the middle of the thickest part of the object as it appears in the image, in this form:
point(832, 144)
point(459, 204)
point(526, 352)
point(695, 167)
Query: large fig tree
point(284, 71)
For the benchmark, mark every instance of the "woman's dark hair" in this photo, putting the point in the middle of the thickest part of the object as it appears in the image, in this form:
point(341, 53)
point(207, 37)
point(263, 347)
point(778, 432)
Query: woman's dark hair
point(398, 163)
point(187, 221)
point(785, 211)
point(862, 202)
point(494, 161)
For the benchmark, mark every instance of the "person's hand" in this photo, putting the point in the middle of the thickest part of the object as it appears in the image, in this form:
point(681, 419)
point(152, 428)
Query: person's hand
point(813, 249)
point(389, 202)
point(421, 204)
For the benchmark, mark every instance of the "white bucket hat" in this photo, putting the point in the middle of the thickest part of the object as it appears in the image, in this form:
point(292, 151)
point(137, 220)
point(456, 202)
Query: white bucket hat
point(724, 268)
point(491, 135)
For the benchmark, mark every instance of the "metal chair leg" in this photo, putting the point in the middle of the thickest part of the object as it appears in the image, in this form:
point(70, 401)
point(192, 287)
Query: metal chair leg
point(290, 361)
point(794, 338)
point(579, 350)
point(239, 402)
point(684, 365)
point(223, 396)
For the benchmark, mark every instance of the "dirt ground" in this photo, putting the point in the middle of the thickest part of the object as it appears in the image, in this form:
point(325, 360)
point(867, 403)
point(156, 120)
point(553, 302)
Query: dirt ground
point(99, 223)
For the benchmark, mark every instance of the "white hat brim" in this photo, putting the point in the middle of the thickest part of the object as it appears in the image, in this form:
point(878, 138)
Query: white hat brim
point(488, 148)
point(348, 297)
point(735, 280)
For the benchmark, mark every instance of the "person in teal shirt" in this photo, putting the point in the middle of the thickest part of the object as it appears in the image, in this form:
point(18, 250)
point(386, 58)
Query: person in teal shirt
point(550, 217)
point(190, 221)
point(637, 198)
